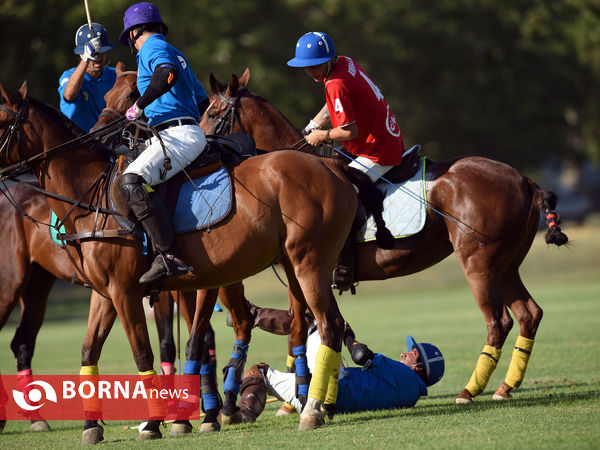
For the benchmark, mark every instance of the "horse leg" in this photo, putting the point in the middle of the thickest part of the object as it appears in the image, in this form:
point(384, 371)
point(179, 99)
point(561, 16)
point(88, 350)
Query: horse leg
point(101, 319)
point(487, 293)
point(198, 362)
point(163, 317)
point(529, 315)
point(127, 300)
point(232, 297)
point(314, 289)
point(33, 303)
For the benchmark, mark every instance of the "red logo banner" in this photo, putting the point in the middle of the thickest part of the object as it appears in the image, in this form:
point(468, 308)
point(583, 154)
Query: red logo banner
point(95, 397)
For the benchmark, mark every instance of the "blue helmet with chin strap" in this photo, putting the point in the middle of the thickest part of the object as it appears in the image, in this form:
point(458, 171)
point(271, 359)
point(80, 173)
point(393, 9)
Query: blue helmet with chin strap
point(83, 35)
point(432, 360)
point(312, 49)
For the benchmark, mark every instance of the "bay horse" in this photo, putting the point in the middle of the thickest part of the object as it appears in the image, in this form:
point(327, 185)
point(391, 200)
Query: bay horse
point(489, 218)
point(36, 261)
point(290, 207)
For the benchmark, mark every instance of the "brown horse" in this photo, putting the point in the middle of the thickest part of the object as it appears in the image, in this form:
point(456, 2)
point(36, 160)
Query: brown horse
point(489, 218)
point(290, 207)
point(36, 262)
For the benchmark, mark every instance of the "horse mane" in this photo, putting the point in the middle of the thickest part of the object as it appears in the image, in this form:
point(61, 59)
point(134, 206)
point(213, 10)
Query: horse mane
point(268, 103)
point(63, 122)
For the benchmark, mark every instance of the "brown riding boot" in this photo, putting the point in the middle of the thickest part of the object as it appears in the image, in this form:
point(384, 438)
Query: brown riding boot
point(253, 392)
point(343, 273)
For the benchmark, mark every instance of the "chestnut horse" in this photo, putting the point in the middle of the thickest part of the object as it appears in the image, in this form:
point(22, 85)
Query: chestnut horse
point(289, 207)
point(489, 218)
point(36, 261)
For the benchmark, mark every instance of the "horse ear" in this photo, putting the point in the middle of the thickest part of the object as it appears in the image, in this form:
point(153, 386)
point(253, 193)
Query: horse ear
point(23, 89)
point(120, 67)
point(234, 85)
point(245, 77)
point(215, 86)
point(5, 95)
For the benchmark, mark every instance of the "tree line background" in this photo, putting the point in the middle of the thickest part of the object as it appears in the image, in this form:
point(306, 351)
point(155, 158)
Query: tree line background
point(517, 80)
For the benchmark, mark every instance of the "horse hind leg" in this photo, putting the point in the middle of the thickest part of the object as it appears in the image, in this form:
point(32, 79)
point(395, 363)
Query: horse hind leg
point(488, 296)
point(529, 315)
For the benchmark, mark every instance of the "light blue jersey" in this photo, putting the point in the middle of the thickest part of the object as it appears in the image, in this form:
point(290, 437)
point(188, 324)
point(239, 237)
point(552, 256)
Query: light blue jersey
point(387, 384)
point(86, 108)
point(183, 98)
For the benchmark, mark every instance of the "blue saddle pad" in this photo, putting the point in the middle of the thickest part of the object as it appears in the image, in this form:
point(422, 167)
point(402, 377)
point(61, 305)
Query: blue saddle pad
point(203, 202)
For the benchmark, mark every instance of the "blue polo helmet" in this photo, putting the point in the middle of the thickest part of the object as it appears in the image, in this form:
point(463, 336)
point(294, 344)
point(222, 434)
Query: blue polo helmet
point(139, 14)
point(312, 49)
point(432, 358)
point(83, 35)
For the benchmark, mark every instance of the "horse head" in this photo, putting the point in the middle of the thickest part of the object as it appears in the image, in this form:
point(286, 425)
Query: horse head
point(14, 114)
point(121, 96)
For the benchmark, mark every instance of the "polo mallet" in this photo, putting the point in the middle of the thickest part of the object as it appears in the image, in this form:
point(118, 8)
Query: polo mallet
point(89, 18)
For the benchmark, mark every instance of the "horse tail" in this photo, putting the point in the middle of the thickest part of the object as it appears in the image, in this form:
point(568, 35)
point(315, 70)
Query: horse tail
point(554, 235)
point(372, 200)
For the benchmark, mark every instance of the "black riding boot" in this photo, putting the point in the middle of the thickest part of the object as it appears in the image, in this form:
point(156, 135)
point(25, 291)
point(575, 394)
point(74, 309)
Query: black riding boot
point(157, 223)
point(343, 273)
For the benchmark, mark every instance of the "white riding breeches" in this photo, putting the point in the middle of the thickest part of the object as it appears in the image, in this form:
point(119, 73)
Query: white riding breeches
point(372, 169)
point(183, 144)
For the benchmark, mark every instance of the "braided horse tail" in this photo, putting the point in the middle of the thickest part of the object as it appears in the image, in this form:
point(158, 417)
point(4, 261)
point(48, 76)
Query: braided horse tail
point(554, 235)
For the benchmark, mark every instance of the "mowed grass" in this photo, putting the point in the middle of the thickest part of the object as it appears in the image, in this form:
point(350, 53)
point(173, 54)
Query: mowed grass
point(557, 406)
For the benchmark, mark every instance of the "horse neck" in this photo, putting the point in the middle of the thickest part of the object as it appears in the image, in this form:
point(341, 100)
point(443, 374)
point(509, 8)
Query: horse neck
point(268, 126)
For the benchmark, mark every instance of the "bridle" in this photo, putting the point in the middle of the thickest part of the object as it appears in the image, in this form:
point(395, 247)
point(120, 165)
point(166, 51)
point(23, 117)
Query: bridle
point(231, 115)
point(14, 128)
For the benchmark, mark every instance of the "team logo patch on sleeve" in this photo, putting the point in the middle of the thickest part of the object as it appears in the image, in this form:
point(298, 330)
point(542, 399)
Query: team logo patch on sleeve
point(182, 61)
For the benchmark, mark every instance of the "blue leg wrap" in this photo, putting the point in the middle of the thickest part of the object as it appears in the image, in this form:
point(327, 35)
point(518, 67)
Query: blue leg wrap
point(191, 368)
point(302, 372)
point(234, 369)
point(210, 399)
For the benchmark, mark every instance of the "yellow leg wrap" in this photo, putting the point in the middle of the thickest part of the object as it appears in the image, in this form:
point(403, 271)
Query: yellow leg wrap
point(92, 404)
point(320, 379)
point(518, 362)
point(483, 370)
point(157, 406)
point(289, 362)
point(88, 370)
point(332, 387)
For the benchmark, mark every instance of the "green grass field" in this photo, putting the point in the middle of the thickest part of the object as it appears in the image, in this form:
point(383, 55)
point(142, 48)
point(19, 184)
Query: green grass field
point(557, 406)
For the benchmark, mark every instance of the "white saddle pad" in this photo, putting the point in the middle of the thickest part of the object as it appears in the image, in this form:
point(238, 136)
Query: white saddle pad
point(404, 206)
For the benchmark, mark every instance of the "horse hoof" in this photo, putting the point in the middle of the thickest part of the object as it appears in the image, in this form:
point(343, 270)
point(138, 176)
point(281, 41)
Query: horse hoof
point(92, 436)
point(148, 435)
point(234, 419)
point(497, 396)
point(209, 427)
point(285, 410)
point(39, 425)
point(311, 421)
point(462, 401)
point(181, 428)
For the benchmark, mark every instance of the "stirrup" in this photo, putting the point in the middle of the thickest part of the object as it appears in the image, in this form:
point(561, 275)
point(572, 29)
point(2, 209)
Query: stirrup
point(164, 266)
point(343, 279)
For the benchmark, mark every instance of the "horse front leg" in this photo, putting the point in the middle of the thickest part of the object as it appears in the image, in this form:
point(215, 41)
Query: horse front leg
point(313, 287)
point(101, 319)
point(127, 300)
point(297, 344)
point(163, 318)
point(232, 297)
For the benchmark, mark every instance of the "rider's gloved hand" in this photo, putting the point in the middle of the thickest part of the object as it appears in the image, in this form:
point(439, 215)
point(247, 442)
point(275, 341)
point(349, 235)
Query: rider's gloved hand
point(91, 49)
point(312, 125)
point(134, 112)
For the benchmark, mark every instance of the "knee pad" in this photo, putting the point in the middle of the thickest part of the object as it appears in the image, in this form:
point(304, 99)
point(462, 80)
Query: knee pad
point(136, 195)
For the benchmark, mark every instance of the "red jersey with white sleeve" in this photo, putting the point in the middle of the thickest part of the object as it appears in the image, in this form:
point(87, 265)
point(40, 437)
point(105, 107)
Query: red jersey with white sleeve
point(353, 97)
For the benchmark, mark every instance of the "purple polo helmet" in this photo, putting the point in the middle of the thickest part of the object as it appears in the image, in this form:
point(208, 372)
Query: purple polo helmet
point(139, 14)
